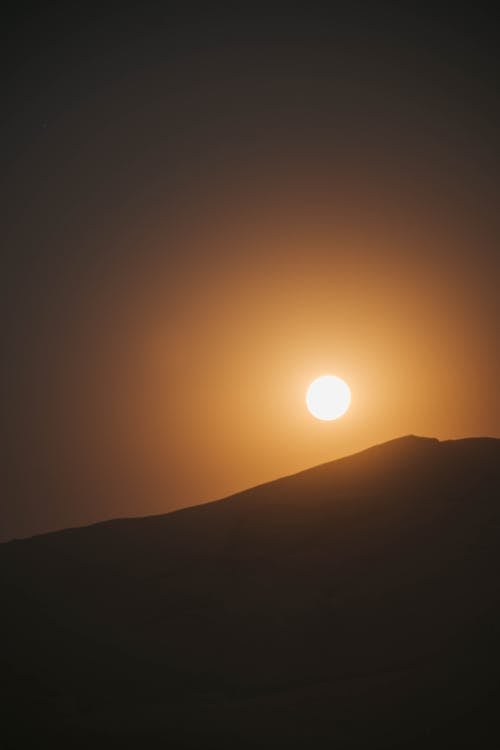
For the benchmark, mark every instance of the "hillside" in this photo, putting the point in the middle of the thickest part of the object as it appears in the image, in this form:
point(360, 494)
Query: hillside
point(355, 604)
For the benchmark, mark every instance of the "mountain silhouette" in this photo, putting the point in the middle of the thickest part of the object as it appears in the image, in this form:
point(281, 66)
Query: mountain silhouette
point(353, 605)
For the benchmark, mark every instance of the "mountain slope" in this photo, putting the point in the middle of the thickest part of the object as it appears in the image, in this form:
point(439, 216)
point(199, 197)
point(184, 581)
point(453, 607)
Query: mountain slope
point(354, 603)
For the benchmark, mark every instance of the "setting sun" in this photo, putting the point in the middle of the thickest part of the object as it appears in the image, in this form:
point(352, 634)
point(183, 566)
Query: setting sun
point(328, 397)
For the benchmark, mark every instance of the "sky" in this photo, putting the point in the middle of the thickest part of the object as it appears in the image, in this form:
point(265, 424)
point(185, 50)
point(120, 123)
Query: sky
point(205, 211)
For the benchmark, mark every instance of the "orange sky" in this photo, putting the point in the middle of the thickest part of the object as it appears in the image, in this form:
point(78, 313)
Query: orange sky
point(187, 394)
point(204, 219)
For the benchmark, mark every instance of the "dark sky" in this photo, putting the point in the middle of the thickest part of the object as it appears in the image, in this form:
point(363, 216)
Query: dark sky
point(203, 212)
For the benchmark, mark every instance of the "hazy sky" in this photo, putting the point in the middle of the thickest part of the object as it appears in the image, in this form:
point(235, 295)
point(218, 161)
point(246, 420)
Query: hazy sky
point(204, 212)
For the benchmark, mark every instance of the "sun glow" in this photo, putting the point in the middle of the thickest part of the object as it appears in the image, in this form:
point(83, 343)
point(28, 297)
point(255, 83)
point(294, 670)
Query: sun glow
point(328, 397)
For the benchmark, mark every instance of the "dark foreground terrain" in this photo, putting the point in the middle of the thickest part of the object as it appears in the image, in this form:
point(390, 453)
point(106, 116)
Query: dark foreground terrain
point(353, 605)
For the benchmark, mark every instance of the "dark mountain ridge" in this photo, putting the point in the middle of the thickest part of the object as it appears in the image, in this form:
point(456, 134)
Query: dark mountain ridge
point(355, 604)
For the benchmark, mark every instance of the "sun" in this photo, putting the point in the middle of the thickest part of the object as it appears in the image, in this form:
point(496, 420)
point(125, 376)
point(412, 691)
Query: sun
point(328, 397)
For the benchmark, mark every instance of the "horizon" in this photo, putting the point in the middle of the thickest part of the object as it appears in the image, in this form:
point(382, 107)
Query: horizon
point(264, 484)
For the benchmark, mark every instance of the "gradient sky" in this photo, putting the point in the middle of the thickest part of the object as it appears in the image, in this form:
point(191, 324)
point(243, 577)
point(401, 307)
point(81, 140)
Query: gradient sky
point(205, 212)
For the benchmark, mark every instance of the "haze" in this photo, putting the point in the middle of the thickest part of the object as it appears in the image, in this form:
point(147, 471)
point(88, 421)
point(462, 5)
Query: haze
point(205, 215)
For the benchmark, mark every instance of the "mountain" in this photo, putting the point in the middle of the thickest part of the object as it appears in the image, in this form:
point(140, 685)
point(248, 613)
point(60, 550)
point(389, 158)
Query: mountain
point(352, 605)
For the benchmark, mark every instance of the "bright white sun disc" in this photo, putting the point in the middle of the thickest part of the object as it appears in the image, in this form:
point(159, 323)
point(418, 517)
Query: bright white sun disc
point(328, 397)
